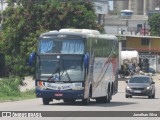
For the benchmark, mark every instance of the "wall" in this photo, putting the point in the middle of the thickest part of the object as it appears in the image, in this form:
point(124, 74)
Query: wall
point(155, 43)
point(134, 42)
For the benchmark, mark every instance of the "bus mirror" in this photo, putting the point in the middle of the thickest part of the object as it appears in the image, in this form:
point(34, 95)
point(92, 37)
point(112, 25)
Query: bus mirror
point(32, 58)
point(86, 60)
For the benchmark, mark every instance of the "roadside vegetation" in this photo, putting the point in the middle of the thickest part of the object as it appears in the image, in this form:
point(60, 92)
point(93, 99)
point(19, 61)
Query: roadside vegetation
point(10, 90)
point(154, 24)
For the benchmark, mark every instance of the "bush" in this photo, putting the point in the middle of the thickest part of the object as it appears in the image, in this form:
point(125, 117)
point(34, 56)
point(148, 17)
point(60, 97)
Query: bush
point(10, 86)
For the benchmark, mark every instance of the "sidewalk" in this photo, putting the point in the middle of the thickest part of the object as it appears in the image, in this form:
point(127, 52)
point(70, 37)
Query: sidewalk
point(156, 77)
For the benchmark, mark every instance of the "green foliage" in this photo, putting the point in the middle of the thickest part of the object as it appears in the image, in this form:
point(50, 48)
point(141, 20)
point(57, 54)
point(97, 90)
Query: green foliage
point(24, 22)
point(154, 24)
point(23, 95)
point(10, 89)
point(10, 86)
point(28, 94)
point(114, 13)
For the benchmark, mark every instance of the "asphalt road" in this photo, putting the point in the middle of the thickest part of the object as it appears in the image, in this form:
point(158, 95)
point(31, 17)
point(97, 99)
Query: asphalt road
point(118, 103)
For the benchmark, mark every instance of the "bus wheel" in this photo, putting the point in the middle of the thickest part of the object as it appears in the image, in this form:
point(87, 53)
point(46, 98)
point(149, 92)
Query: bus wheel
point(109, 97)
point(99, 100)
point(105, 99)
point(45, 101)
point(86, 101)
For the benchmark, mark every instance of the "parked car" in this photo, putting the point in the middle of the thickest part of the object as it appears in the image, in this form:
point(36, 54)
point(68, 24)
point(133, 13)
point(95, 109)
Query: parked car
point(140, 85)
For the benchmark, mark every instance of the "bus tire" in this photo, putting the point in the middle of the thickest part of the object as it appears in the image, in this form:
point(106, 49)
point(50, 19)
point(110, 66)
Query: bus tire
point(109, 97)
point(100, 99)
point(105, 99)
point(86, 101)
point(45, 101)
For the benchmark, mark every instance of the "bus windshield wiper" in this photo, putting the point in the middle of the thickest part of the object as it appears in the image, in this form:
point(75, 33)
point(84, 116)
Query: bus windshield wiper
point(69, 78)
point(67, 75)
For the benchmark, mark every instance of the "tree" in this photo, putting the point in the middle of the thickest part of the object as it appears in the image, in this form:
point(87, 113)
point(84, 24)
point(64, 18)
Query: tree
point(24, 21)
point(154, 24)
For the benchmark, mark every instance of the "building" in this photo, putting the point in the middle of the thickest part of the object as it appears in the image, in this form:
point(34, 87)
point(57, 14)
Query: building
point(129, 26)
point(147, 46)
point(101, 9)
point(140, 7)
point(134, 29)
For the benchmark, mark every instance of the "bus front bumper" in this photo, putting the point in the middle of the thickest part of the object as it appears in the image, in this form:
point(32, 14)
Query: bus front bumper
point(58, 94)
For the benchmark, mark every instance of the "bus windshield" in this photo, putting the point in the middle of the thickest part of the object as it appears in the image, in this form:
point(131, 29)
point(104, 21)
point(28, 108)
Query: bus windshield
point(66, 68)
point(63, 46)
point(60, 59)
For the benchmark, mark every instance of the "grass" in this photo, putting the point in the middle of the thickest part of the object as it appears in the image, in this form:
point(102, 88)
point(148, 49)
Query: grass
point(10, 91)
point(21, 96)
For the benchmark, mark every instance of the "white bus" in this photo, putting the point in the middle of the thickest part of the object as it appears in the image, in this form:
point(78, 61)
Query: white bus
point(74, 64)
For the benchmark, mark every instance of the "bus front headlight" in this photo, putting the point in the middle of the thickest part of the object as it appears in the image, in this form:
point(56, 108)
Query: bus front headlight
point(78, 88)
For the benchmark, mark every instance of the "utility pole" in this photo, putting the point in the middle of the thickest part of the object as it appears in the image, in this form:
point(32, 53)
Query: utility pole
point(144, 28)
point(99, 19)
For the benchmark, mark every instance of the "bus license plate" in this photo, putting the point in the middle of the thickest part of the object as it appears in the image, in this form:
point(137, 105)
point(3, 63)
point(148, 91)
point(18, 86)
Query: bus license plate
point(58, 94)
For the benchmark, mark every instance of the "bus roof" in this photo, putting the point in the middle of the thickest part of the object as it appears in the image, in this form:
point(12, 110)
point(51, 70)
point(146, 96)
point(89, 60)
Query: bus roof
point(104, 36)
point(79, 32)
point(90, 33)
point(83, 31)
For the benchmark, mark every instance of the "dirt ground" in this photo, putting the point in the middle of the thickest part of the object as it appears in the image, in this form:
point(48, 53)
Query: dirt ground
point(29, 83)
